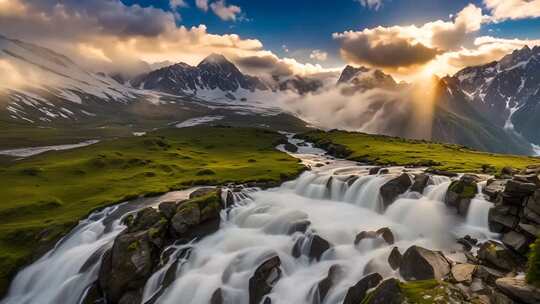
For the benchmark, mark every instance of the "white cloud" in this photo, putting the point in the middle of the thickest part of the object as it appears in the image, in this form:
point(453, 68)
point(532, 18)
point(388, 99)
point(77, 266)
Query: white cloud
point(371, 4)
point(176, 4)
point(202, 4)
point(318, 55)
point(513, 9)
point(225, 12)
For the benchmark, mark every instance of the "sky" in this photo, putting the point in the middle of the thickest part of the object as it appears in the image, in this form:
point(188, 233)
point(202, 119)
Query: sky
point(405, 38)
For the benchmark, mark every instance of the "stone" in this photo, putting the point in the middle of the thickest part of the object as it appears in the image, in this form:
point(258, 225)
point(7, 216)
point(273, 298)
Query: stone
point(517, 289)
point(393, 188)
point(531, 215)
point(531, 231)
point(487, 274)
point(358, 292)
point(468, 242)
point(494, 188)
point(517, 188)
point(290, 147)
point(142, 220)
point(516, 241)
point(131, 298)
point(365, 235)
point(386, 234)
point(529, 178)
point(461, 192)
point(420, 182)
point(498, 256)
point(297, 247)
point(299, 226)
point(186, 217)
point(202, 192)
point(318, 247)
point(384, 171)
point(374, 170)
point(335, 274)
point(501, 220)
point(507, 171)
point(500, 298)
point(263, 279)
point(463, 273)
point(217, 297)
point(533, 203)
point(394, 259)
point(419, 263)
point(128, 265)
point(168, 209)
point(388, 292)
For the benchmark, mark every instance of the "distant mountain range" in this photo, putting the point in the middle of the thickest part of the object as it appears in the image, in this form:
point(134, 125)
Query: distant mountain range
point(494, 107)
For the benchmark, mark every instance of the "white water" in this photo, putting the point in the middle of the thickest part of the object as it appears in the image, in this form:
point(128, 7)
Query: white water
point(339, 199)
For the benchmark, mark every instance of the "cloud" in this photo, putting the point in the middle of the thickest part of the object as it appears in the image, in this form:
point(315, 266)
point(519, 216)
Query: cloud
point(202, 4)
point(371, 4)
point(512, 9)
point(318, 55)
point(109, 36)
point(225, 12)
point(406, 48)
point(176, 4)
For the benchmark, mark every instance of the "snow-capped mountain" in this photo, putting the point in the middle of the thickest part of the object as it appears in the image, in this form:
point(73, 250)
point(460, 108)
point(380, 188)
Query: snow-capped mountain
point(215, 72)
point(363, 78)
point(507, 91)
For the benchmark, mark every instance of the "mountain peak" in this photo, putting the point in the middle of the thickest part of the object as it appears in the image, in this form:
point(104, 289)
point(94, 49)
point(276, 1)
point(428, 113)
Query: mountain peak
point(215, 59)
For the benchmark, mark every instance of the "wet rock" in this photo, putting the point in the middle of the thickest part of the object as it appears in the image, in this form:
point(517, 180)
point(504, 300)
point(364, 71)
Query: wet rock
point(388, 292)
point(533, 203)
point(365, 235)
point(463, 273)
point(297, 247)
point(386, 234)
point(494, 188)
point(501, 218)
point(217, 297)
point(517, 241)
point(521, 189)
point(499, 298)
point(468, 242)
point(318, 247)
point(530, 230)
point(201, 192)
point(507, 171)
point(168, 209)
point(263, 280)
point(393, 188)
point(335, 274)
point(290, 147)
point(358, 292)
point(299, 226)
point(127, 266)
point(420, 182)
point(384, 171)
point(441, 172)
point(143, 220)
point(394, 259)
point(422, 264)
point(498, 256)
point(461, 192)
point(531, 216)
point(93, 295)
point(185, 218)
point(131, 298)
point(374, 170)
point(487, 274)
point(519, 290)
point(529, 178)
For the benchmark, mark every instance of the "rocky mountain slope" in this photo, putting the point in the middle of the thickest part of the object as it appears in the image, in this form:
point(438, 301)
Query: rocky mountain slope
point(507, 92)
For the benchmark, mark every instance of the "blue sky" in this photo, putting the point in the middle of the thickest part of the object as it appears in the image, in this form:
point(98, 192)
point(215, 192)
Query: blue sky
point(304, 25)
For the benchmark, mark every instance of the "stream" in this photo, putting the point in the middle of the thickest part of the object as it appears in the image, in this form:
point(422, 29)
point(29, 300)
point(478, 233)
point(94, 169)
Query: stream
point(338, 198)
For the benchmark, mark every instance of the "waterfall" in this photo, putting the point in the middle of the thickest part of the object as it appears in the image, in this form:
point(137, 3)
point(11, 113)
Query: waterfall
point(335, 202)
point(64, 273)
point(478, 213)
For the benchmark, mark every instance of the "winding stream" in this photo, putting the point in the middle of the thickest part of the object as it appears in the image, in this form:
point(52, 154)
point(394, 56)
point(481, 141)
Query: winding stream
point(257, 227)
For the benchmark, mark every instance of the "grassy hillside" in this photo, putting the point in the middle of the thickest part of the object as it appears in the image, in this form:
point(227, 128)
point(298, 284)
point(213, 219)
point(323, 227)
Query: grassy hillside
point(44, 196)
point(386, 150)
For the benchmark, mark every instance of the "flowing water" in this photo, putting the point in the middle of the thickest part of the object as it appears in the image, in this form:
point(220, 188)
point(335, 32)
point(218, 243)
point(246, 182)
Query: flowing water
point(337, 197)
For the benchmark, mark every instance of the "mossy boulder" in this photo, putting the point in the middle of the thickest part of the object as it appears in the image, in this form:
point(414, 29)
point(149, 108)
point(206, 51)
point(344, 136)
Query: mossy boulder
point(461, 192)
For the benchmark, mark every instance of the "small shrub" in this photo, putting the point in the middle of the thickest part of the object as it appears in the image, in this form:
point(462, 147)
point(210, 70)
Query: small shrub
point(206, 172)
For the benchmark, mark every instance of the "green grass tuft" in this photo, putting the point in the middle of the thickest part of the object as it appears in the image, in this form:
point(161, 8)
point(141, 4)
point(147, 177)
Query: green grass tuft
point(533, 270)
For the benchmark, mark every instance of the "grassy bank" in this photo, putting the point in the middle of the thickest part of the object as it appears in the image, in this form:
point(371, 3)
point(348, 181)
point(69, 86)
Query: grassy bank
point(44, 196)
point(385, 150)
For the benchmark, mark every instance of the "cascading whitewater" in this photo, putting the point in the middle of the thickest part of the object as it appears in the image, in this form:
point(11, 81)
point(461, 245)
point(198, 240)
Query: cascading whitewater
point(338, 200)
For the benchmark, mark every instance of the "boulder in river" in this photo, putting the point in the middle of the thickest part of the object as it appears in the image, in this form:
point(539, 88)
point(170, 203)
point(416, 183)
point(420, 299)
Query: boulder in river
point(498, 256)
point(335, 273)
point(461, 192)
point(374, 170)
point(263, 279)
point(388, 292)
point(463, 273)
point(420, 182)
point(419, 263)
point(358, 292)
point(393, 188)
point(394, 259)
point(318, 247)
